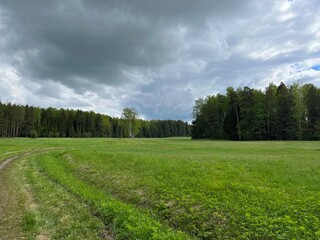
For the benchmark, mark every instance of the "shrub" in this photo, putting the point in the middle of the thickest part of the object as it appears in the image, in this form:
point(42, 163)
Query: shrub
point(34, 134)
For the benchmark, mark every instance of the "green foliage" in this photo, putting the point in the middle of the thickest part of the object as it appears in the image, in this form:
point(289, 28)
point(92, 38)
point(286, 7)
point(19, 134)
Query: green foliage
point(279, 113)
point(130, 115)
point(284, 109)
point(34, 134)
point(21, 121)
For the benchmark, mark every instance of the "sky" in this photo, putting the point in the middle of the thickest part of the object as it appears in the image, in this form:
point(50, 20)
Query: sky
point(154, 56)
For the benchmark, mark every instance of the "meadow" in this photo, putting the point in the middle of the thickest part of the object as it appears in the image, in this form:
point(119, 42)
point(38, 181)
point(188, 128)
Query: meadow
point(171, 188)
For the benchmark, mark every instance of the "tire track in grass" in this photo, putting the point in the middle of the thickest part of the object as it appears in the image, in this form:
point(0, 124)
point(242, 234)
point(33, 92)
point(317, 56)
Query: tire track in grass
point(59, 212)
point(124, 220)
point(11, 205)
point(14, 212)
point(9, 160)
point(26, 154)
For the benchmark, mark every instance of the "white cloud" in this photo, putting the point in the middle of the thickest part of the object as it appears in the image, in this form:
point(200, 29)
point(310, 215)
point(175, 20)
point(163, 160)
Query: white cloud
point(11, 87)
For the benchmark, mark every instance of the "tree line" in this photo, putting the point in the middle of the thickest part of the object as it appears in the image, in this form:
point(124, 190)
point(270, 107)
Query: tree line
point(27, 121)
point(277, 113)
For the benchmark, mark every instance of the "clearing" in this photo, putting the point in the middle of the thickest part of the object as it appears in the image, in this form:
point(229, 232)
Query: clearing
point(171, 188)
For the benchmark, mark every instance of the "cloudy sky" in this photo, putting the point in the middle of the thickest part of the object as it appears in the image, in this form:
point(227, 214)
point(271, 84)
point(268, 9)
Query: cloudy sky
point(155, 56)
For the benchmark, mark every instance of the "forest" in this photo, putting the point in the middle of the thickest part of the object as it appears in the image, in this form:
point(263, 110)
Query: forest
point(278, 113)
point(27, 121)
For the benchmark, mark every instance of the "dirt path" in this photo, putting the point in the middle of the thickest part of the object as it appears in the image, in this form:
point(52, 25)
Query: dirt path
point(11, 204)
point(12, 210)
point(14, 198)
point(9, 160)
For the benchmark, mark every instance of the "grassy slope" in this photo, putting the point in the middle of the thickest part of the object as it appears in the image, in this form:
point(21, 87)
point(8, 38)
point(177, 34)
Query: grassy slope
point(204, 188)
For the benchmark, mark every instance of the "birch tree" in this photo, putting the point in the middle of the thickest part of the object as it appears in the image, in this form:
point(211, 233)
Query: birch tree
point(130, 115)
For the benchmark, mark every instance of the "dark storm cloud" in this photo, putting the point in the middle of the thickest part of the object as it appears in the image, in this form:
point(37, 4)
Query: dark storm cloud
point(95, 40)
point(157, 56)
point(67, 43)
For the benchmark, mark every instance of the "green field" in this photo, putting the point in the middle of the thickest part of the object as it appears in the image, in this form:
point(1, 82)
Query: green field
point(159, 189)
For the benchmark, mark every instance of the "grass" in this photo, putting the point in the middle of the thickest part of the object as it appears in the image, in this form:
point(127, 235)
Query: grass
point(60, 214)
point(169, 189)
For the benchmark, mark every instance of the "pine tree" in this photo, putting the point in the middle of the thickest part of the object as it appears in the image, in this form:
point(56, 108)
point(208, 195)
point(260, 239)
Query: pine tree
point(271, 111)
point(285, 113)
point(232, 121)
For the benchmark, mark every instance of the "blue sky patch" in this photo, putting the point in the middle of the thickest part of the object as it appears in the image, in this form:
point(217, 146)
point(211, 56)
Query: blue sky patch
point(316, 67)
